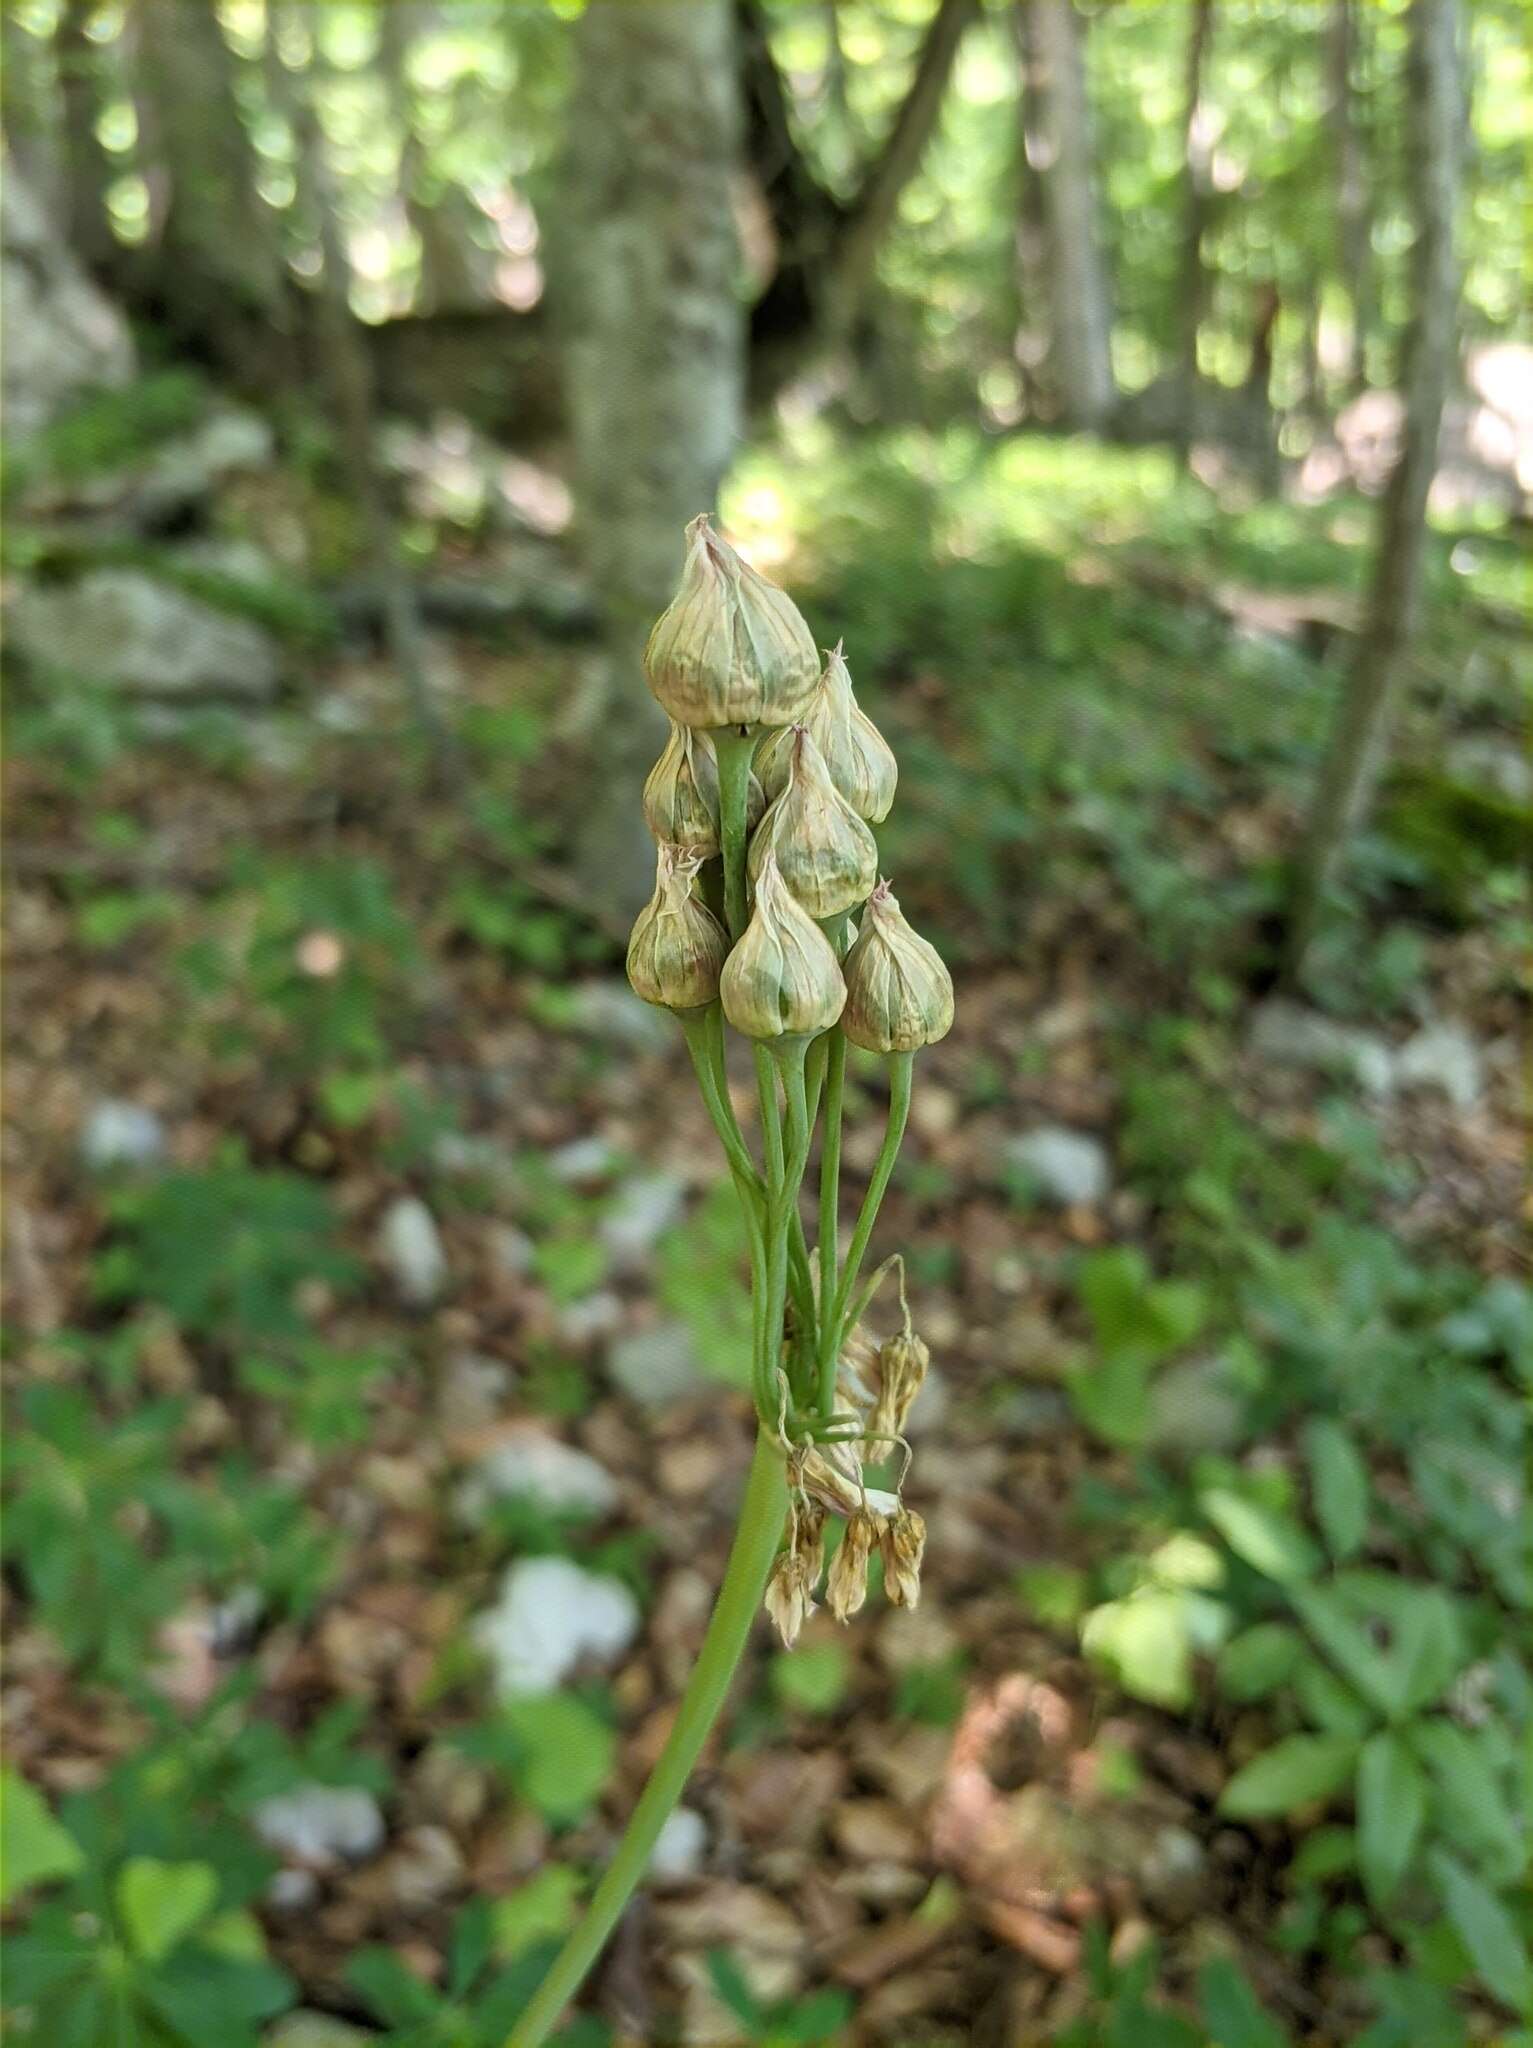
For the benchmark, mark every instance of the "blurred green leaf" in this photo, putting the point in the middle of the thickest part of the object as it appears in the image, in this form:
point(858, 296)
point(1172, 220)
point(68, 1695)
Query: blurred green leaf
point(1293, 1773)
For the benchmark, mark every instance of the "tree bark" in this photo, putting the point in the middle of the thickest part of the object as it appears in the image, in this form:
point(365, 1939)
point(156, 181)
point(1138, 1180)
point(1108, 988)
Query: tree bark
point(654, 357)
point(1354, 244)
point(1434, 157)
point(1197, 205)
point(1057, 137)
point(88, 169)
point(447, 273)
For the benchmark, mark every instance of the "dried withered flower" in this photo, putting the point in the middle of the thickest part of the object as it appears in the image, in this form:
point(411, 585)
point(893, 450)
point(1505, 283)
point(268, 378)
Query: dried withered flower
point(677, 950)
point(826, 854)
point(782, 979)
point(731, 648)
point(902, 1363)
point(859, 759)
point(899, 994)
point(790, 1590)
point(901, 1543)
point(846, 1588)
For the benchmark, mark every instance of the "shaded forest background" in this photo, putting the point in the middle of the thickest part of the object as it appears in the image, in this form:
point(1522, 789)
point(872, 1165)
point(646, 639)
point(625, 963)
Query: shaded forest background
point(1145, 393)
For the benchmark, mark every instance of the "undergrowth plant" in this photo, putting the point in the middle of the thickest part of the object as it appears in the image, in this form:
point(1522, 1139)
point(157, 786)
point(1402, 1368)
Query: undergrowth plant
point(762, 806)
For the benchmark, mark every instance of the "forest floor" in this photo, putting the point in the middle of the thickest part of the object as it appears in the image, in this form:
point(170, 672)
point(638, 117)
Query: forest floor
point(418, 1192)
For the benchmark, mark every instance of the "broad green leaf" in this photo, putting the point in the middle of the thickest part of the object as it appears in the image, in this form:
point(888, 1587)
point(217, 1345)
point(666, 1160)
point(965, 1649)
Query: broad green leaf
point(160, 1903)
point(1324, 1852)
point(1144, 1642)
point(1486, 1929)
point(1270, 1542)
point(1332, 1706)
point(813, 1679)
point(1293, 1773)
point(1232, 2013)
point(566, 1753)
point(1391, 1806)
point(1259, 1659)
point(1112, 1396)
point(1112, 1285)
point(1399, 1643)
point(395, 1994)
point(543, 1909)
point(34, 1848)
point(1473, 1806)
point(1339, 1481)
point(1177, 1311)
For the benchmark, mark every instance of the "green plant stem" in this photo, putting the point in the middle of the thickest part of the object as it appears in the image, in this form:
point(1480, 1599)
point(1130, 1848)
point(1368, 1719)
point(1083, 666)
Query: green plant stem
point(900, 1065)
point(757, 1535)
point(784, 1209)
point(705, 1042)
point(733, 748)
point(830, 1207)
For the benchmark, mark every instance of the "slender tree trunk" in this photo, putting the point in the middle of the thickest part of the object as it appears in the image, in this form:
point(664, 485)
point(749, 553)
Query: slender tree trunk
point(30, 112)
point(87, 168)
point(1434, 155)
point(1354, 246)
point(1034, 317)
point(654, 355)
point(346, 369)
point(1197, 205)
point(447, 279)
point(1057, 121)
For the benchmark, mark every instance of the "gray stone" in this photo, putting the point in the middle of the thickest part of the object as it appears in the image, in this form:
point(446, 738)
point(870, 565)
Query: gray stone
point(1195, 1406)
point(680, 1847)
point(186, 469)
point(1172, 1872)
point(1034, 1413)
point(1069, 1167)
point(532, 1465)
point(121, 1134)
point(1445, 1058)
point(474, 1390)
point(590, 1319)
point(410, 1245)
point(1288, 1035)
point(305, 2029)
point(552, 1616)
point(60, 337)
point(1492, 762)
point(644, 1210)
point(657, 1365)
point(125, 627)
point(512, 1249)
point(583, 1159)
point(611, 1010)
point(321, 1824)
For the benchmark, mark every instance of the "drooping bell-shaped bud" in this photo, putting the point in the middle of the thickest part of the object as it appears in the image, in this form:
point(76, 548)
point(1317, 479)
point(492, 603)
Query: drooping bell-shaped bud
point(783, 979)
point(846, 1587)
point(681, 793)
point(677, 950)
point(901, 1544)
point(859, 759)
point(857, 1374)
point(825, 853)
point(790, 1590)
point(730, 648)
point(902, 1364)
point(899, 994)
point(827, 1476)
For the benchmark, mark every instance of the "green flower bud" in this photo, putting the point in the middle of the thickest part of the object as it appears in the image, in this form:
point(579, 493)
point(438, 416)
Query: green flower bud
point(859, 758)
point(899, 994)
point(827, 856)
point(731, 648)
point(783, 979)
point(677, 949)
point(681, 794)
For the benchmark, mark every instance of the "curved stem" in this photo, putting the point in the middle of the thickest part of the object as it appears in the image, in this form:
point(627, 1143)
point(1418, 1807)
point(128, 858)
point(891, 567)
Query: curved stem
point(733, 747)
point(830, 1207)
point(759, 1531)
point(900, 1065)
point(704, 1035)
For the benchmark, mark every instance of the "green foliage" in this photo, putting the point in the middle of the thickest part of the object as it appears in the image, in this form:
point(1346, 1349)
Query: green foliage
point(557, 1749)
point(813, 1679)
point(813, 2022)
point(106, 432)
point(1136, 1323)
point(482, 1995)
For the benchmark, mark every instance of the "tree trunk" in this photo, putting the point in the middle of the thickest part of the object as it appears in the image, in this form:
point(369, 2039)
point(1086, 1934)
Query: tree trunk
point(1354, 244)
point(88, 170)
point(1057, 134)
point(654, 351)
point(1197, 204)
point(1434, 155)
point(447, 275)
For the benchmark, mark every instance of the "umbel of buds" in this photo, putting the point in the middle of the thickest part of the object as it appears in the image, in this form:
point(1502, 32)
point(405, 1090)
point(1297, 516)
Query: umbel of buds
point(730, 648)
point(735, 667)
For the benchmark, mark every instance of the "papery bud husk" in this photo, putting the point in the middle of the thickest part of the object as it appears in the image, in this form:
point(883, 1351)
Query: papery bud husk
point(899, 994)
point(730, 648)
point(827, 1476)
point(902, 1544)
point(789, 1597)
point(858, 1374)
point(825, 853)
point(677, 950)
point(681, 793)
point(783, 978)
point(858, 758)
point(902, 1366)
point(847, 1586)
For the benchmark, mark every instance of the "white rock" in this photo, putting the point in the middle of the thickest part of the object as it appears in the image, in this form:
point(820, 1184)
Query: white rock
point(304, 2029)
point(1483, 758)
point(410, 1245)
point(126, 627)
point(582, 1159)
point(1070, 1167)
point(474, 1390)
point(1290, 1036)
point(592, 1317)
point(121, 1134)
point(611, 1010)
point(657, 1365)
point(550, 1617)
point(59, 336)
point(680, 1847)
point(644, 1210)
point(512, 1250)
point(1195, 1405)
point(531, 1465)
point(1443, 1057)
point(321, 1823)
point(292, 1891)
